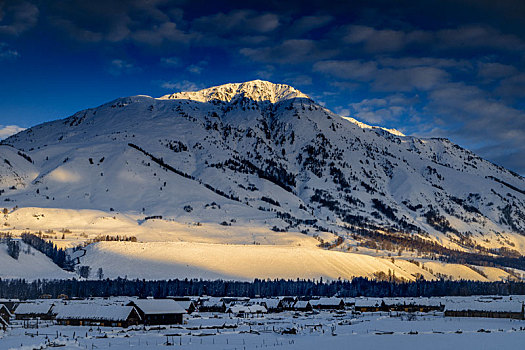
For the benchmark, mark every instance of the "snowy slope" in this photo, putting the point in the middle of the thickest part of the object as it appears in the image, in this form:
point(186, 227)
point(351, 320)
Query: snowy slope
point(16, 169)
point(165, 260)
point(30, 265)
point(257, 156)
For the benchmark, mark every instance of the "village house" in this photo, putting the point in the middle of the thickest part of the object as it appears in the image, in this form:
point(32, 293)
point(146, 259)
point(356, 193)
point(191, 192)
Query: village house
point(235, 300)
point(11, 304)
point(328, 304)
point(349, 302)
point(397, 304)
point(413, 304)
point(159, 311)
point(502, 308)
point(33, 310)
point(271, 304)
point(288, 302)
point(370, 305)
point(246, 311)
point(302, 305)
point(87, 314)
point(212, 305)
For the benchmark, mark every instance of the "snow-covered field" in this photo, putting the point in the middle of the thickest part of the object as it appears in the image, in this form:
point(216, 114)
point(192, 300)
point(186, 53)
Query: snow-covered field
point(164, 260)
point(324, 330)
point(170, 249)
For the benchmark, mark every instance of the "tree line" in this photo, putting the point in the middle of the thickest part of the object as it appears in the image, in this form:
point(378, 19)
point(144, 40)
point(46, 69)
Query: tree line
point(22, 289)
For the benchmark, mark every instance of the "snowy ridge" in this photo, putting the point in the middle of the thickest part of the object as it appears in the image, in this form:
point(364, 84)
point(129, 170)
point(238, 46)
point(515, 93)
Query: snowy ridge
point(256, 90)
point(366, 126)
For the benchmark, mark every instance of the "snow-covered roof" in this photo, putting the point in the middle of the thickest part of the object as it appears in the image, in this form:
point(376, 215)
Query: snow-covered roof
point(5, 309)
point(85, 311)
point(270, 303)
point(301, 304)
point(185, 304)
point(213, 303)
point(326, 302)
point(504, 305)
point(247, 309)
point(33, 308)
point(376, 302)
point(368, 302)
point(159, 306)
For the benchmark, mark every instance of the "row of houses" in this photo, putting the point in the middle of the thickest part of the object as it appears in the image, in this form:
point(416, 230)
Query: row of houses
point(398, 304)
point(131, 311)
point(157, 311)
point(491, 307)
point(110, 314)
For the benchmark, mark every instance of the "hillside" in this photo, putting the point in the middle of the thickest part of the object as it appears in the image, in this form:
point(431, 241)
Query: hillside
point(254, 163)
point(30, 265)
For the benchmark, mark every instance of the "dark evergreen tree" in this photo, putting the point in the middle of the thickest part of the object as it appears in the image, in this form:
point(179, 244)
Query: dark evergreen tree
point(13, 248)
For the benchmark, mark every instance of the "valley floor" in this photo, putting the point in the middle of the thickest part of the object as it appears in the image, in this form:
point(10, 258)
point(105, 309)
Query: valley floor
point(324, 330)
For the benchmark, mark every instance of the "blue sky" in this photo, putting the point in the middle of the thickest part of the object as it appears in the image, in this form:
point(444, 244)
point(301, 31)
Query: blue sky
point(452, 69)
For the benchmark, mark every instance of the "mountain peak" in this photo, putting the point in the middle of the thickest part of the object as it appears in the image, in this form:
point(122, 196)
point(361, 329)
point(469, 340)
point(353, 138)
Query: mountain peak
point(257, 90)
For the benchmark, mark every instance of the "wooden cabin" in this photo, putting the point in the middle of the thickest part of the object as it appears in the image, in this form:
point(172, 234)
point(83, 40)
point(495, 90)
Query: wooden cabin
point(506, 308)
point(38, 309)
point(414, 304)
point(397, 304)
point(302, 305)
point(87, 314)
point(271, 304)
point(328, 304)
point(11, 304)
point(212, 305)
point(288, 302)
point(246, 311)
point(370, 305)
point(159, 311)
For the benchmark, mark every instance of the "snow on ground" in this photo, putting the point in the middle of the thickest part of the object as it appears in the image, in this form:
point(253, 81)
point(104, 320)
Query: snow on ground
point(83, 224)
point(324, 330)
point(173, 249)
point(31, 264)
point(163, 260)
point(245, 250)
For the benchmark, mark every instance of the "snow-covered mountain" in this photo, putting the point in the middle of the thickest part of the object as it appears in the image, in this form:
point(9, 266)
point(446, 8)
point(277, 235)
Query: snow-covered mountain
point(259, 154)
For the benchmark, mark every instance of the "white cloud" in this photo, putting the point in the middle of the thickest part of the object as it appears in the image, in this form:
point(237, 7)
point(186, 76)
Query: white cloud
point(197, 68)
point(119, 67)
point(184, 85)
point(170, 61)
point(385, 78)
point(8, 130)
point(17, 17)
point(7, 53)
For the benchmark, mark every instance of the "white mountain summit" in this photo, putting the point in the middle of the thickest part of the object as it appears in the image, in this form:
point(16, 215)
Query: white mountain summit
point(256, 90)
point(262, 164)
